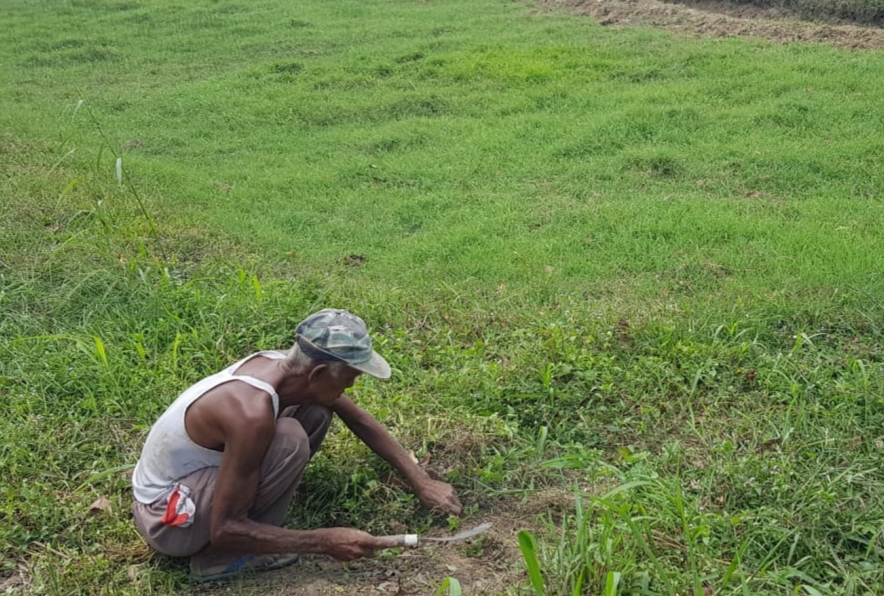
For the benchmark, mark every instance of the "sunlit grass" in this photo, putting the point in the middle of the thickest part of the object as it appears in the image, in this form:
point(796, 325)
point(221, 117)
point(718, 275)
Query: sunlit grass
point(642, 266)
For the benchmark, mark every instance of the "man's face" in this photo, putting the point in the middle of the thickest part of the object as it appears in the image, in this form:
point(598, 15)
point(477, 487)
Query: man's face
point(326, 388)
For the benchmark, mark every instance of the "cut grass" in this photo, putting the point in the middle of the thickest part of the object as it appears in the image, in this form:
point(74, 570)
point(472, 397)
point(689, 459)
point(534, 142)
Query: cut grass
point(594, 258)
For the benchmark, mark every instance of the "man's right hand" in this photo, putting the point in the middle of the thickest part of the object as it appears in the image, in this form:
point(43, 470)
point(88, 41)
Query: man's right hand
point(346, 544)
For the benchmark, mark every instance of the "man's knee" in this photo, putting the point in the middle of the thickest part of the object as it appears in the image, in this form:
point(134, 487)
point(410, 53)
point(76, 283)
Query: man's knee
point(290, 444)
point(283, 464)
point(315, 420)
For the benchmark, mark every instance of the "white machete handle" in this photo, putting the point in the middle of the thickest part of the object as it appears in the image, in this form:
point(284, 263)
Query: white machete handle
point(404, 539)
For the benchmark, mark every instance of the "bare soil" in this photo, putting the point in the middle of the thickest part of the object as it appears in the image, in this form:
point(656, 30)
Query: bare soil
point(712, 18)
point(486, 565)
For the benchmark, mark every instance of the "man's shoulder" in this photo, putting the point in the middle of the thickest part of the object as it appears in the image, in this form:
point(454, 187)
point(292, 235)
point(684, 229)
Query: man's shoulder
point(233, 407)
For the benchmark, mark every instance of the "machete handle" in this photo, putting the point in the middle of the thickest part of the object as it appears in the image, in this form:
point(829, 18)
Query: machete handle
point(403, 539)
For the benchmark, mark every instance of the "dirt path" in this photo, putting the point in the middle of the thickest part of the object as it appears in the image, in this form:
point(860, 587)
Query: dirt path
point(723, 19)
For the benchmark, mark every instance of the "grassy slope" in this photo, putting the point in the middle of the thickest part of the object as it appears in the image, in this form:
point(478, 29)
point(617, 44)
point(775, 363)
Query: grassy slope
point(662, 251)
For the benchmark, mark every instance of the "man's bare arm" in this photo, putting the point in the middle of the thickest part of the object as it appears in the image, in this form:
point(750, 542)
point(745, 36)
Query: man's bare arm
point(247, 436)
point(432, 493)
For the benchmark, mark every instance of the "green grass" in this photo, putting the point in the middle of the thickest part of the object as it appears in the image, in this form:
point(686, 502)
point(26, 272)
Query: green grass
point(595, 258)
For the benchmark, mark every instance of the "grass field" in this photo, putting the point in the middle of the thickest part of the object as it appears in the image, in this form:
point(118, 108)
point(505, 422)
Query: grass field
point(636, 269)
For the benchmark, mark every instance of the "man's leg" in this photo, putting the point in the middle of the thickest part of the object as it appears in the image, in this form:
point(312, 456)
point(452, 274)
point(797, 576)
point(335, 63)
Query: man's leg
point(298, 436)
point(315, 420)
point(178, 541)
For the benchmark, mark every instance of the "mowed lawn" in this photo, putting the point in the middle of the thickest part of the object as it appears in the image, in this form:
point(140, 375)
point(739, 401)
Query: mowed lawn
point(638, 270)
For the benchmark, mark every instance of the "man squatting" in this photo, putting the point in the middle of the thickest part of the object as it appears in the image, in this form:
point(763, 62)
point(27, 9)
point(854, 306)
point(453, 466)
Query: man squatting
point(220, 467)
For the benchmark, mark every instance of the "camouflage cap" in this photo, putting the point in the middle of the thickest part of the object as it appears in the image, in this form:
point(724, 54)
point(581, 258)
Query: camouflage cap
point(336, 335)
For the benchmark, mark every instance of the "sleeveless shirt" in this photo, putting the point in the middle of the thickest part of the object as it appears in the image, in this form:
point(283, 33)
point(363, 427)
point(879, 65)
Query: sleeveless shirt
point(169, 454)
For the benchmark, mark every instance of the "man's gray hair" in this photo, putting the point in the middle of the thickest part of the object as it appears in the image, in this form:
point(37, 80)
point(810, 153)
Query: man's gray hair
point(298, 361)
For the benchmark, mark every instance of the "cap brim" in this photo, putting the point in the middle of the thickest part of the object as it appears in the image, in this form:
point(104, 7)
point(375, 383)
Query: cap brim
point(375, 366)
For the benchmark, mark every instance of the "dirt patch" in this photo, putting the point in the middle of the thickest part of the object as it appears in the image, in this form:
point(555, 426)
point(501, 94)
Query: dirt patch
point(14, 581)
point(485, 565)
point(723, 19)
point(489, 565)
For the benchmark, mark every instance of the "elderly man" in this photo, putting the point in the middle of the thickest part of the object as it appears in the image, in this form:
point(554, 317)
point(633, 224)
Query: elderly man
point(221, 465)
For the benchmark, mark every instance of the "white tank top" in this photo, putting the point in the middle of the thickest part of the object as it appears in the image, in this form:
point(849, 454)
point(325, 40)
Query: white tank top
point(169, 454)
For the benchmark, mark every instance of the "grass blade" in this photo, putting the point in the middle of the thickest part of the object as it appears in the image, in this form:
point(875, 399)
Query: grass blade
point(612, 581)
point(528, 546)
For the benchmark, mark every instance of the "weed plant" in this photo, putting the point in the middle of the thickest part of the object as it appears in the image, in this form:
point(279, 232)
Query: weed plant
point(638, 269)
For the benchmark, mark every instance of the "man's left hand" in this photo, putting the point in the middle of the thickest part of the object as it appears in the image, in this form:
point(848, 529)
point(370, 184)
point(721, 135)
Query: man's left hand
point(439, 496)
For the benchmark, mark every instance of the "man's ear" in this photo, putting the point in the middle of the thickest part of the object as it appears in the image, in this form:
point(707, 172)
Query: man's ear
point(317, 372)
